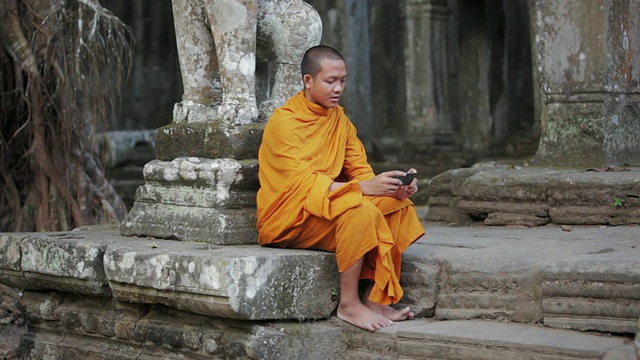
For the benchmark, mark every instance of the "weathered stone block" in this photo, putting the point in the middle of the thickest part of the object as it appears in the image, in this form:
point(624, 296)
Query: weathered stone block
point(594, 215)
point(573, 135)
point(440, 201)
point(222, 174)
point(188, 223)
point(581, 134)
point(595, 198)
point(462, 194)
point(450, 181)
point(445, 208)
point(484, 207)
point(597, 296)
point(524, 185)
point(61, 327)
point(589, 323)
point(66, 261)
point(319, 341)
point(493, 340)
point(468, 294)
point(506, 218)
point(439, 185)
point(196, 199)
point(10, 255)
point(420, 284)
point(41, 306)
point(208, 140)
point(595, 289)
point(594, 308)
point(10, 258)
point(591, 187)
point(248, 282)
point(535, 197)
point(589, 100)
point(454, 306)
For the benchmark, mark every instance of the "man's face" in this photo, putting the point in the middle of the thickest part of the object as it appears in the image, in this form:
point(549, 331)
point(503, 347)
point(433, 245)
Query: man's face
point(328, 85)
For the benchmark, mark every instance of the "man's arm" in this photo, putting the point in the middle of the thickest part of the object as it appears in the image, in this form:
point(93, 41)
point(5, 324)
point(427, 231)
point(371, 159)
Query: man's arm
point(356, 166)
point(384, 184)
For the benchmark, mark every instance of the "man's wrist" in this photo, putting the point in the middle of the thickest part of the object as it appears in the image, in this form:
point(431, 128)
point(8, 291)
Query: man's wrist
point(335, 185)
point(363, 186)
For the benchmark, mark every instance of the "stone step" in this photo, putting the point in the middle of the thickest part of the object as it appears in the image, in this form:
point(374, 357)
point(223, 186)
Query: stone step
point(75, 326)
point(583, 279)
point(586, 279)
point(480, 340)
point(242, 282)
point(530, 276)
point(506, 195)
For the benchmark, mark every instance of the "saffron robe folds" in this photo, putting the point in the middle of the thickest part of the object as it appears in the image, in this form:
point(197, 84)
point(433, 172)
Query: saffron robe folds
point(306, 147)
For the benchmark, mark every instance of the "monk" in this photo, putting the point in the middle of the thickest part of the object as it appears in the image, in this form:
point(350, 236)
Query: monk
point(317, 191)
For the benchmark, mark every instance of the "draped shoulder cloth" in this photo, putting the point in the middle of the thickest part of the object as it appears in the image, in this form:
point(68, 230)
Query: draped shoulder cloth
point(305, 148)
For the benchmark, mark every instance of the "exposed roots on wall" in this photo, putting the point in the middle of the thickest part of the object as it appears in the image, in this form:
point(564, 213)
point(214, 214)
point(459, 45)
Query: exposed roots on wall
point(61, 66)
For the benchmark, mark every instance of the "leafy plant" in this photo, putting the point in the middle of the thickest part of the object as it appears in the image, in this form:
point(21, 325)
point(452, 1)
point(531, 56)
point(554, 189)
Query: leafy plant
point(617, 202)
point(334, 294)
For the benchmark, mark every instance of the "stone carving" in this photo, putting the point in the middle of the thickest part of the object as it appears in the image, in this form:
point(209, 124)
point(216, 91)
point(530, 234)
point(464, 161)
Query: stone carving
point(219, 42)
point(202, 188)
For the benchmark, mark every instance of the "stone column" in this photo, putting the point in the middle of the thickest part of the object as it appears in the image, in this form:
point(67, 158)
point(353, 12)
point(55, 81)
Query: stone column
point(203, 184)
point(358, 53)
point(428, 117)
point(586, 56)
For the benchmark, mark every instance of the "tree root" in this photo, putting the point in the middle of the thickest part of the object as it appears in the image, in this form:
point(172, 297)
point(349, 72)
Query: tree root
point(67, 61)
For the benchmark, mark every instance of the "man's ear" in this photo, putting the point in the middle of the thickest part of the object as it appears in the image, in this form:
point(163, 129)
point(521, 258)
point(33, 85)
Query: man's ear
point(307, 78)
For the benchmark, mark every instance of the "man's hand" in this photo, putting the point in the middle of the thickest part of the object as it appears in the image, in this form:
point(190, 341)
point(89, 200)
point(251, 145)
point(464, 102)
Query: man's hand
point(404, 192)
point(384, 184)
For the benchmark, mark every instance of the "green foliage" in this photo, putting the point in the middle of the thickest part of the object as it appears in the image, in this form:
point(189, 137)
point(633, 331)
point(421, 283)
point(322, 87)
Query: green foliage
point(334, 294)
point(617, 202)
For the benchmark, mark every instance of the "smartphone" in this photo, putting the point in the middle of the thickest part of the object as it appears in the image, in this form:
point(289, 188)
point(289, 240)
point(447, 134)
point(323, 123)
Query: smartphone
point(407, 179)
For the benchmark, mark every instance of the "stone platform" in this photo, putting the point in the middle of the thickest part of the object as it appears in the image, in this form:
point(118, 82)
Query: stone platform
point(241, 282)
point(527, 196)
point(484, 340)
point(481, 293)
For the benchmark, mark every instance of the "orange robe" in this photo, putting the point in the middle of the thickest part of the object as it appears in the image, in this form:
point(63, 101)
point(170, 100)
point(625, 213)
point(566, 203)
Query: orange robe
point(305, 147)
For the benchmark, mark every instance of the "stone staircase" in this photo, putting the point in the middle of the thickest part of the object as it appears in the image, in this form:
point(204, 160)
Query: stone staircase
point(487, 340)
point(480, 292)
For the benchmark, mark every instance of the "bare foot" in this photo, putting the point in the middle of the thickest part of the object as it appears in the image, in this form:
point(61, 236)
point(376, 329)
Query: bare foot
point(361, 316)
point(389, 312)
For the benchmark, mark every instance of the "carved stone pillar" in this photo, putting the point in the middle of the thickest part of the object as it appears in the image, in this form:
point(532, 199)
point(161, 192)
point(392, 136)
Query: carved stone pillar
point(357, 52)
point(586, 56)
point(428, 117)
point(203, 184)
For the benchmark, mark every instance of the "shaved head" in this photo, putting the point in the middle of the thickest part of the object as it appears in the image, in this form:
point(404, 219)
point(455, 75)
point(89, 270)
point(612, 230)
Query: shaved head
point(311, 61)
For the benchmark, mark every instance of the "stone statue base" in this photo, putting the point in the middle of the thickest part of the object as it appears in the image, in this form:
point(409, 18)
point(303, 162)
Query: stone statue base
point(208, 140)
point(196, 199)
